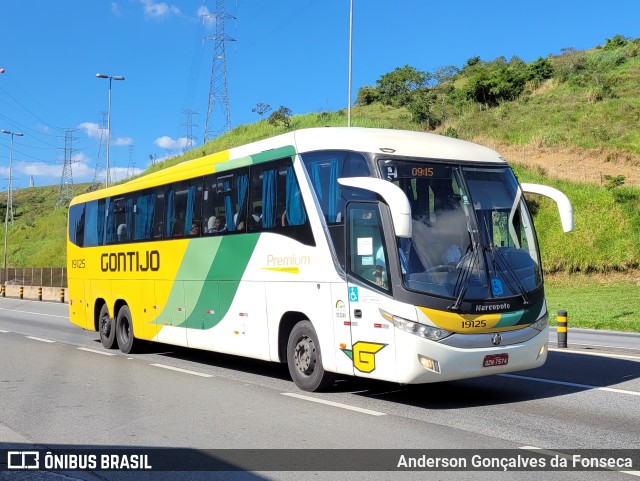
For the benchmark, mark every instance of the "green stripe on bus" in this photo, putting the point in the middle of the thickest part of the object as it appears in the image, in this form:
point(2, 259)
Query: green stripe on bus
point(219, 263)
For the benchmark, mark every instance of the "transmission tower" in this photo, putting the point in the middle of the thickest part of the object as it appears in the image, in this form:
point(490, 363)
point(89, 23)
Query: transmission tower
point(66, 181)
point(131, 166)
point(100, 159)
point(218, 88)
point(189, 126)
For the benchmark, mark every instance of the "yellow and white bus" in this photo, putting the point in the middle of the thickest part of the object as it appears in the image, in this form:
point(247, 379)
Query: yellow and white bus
point(393, 255)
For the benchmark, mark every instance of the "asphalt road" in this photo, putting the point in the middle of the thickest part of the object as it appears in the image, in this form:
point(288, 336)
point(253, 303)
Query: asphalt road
point(59, 388)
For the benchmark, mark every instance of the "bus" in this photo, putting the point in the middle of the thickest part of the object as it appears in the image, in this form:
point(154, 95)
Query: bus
point(393, 255)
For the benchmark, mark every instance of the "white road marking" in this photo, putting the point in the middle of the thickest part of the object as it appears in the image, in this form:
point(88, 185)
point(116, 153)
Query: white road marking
point(186, 371)
point(601, 354)
point(104, 353)
point(334, 404)
point(571, 384)
point(4, 332)
point(34, 313)
point(40, 339)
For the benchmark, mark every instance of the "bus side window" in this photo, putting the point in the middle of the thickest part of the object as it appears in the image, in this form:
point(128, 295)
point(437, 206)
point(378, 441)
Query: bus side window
point(193, 217)
point(92, 219)
point(324, 169)
point(119, 219)
point(366, 245)
point(76, 224)
point(275, 197)
point(209, 207)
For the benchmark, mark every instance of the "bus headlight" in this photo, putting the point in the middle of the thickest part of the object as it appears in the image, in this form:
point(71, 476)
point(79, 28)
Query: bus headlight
point(541, 323)
point(421, 330)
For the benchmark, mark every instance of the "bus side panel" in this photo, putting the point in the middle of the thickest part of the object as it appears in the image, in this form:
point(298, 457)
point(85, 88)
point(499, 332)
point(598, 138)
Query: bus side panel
point(95, 290)
point(243, 329)
point(202, 302)
point(341, 327)
point(149, 327)
point(139, 296)
point(372, 335)
point(312, 300)
point(171, 320)
point(78, 303)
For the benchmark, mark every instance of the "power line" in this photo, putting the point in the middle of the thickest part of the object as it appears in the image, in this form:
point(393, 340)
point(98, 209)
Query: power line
point(29, 111)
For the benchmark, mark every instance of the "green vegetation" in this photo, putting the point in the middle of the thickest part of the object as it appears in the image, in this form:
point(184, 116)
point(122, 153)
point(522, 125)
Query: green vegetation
point(574, 100)
point(603, 302)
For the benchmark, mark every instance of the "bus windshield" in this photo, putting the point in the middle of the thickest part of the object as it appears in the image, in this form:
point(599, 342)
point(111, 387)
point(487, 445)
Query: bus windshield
point(472, 237)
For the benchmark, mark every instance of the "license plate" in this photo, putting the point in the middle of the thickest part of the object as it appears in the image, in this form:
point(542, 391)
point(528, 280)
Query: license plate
point(496, 360)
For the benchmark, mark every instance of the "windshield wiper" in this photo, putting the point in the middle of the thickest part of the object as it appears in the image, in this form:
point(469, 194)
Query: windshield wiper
point(465, 275)
point(495, 252)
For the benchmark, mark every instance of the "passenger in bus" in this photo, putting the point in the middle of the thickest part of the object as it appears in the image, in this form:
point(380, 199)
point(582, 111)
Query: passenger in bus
point(178, 228)
point(195, 229)
point(122, 233)
point(219, 226)
point(157, 232)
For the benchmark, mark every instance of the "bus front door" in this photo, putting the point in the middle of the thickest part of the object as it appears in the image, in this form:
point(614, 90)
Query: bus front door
point(372, 350)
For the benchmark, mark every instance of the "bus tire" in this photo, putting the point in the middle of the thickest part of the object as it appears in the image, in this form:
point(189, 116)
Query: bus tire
point(305, 360)
point(107, 328)
point(124, 331)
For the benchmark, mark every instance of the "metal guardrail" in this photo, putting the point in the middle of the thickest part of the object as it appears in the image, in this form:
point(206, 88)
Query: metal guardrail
point(34, 276)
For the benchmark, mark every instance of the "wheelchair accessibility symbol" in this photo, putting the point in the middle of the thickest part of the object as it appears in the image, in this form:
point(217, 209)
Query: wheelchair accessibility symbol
point(353, 294)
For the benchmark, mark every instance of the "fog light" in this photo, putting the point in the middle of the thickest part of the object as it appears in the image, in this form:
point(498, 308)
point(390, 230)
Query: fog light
point(429, 364)
point(542, 351)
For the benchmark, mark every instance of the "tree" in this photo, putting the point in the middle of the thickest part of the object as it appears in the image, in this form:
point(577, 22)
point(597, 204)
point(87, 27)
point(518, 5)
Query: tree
point(615, 42)
point(539, 71)
point(367, 96)
point(497, 81)
point(280, 116)
point(421, 107)
point(396, 87)
point(261, 108)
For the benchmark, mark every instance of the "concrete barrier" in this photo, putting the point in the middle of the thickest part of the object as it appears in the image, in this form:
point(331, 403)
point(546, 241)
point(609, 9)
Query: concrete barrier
point(51, 294)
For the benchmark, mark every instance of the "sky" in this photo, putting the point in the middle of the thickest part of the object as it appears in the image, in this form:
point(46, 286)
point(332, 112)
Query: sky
point(293, 53)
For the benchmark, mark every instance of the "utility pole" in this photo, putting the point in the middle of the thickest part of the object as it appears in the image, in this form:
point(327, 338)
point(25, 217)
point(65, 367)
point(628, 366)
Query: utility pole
point(218, 87)
point(66, 181)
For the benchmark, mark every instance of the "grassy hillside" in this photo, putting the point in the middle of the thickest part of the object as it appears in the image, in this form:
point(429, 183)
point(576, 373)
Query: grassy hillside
point(605, 238)
point(587, 101)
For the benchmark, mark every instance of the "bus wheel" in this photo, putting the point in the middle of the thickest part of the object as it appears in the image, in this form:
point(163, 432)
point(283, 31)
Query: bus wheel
point(124, 330)
point(107, 328)
point(304, 359)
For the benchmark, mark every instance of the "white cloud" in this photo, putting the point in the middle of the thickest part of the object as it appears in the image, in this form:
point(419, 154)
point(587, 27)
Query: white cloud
point(208, 18)
point(159, 10)
point(115, 8)
point(92, 129)
point(167, 143)
point(122, 141)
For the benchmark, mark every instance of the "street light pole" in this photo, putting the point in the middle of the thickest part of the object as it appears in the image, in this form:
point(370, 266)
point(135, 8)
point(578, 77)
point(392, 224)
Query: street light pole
point(9, 198)
point(110, 77)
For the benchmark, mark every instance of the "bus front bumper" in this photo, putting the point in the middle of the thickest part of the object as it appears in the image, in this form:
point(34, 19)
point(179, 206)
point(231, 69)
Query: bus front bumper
point(422, 361)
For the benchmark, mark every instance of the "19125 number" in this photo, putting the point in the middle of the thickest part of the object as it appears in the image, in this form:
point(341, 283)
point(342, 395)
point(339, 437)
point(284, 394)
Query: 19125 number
point(78, 263)
point(473, 324)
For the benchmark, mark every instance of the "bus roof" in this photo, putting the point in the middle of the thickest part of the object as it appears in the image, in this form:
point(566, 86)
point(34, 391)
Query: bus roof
point(397, 142)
